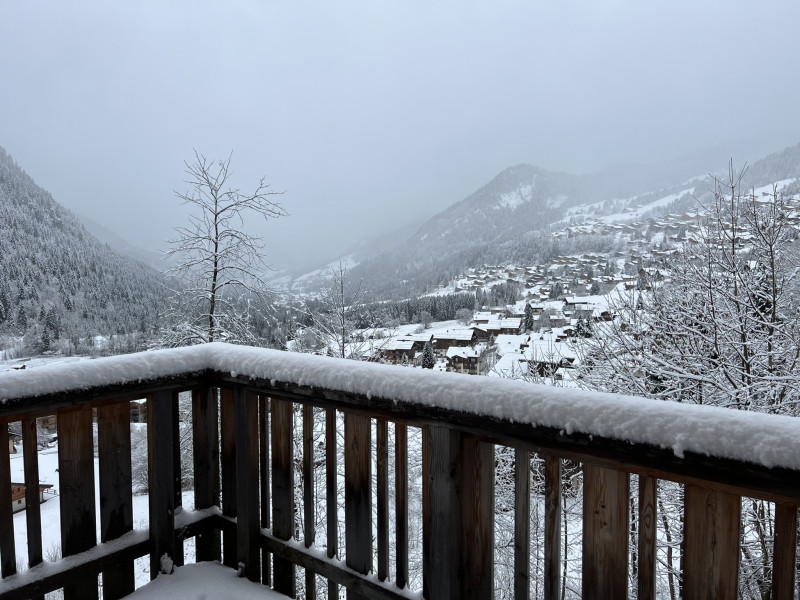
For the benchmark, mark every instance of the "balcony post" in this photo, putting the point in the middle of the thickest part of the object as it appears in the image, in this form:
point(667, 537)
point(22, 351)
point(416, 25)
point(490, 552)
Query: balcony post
point(76, 483)
point(205, 421)
point(229, 506)
point(459, 516)
point(116, 503)
point(161, 481)
point(248, 530)
point(710, 543)
point(282, 491)
point(605, 532)
point(358, 495)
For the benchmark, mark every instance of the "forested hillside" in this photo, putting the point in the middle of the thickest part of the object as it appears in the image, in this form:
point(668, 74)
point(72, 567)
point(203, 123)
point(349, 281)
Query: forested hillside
point(60, 286)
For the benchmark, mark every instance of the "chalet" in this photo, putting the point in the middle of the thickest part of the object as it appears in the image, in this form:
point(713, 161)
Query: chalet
point(408, 345)
point(138, 412)
point(464, 360)
point(460, 338)
point(18, 494)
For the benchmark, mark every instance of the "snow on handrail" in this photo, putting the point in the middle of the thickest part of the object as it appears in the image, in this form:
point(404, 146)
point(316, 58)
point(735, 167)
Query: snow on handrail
point(767, 440)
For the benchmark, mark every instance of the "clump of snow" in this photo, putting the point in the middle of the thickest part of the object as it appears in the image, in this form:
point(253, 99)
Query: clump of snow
point(167, 566)
point(204, 581)
point(767, 440)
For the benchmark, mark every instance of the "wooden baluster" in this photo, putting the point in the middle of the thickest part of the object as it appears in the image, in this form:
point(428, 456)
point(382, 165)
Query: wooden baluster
point(605, 533)
point(358, 495)
point(522, 524)
point(161, 479)
point(247, 522)
point(460, 516)
point(552, 528)
point(309, 531)
point(282, 492)
point(476, 488)
point(8, 556)
point(784, 553)
point(206, 465)
point(331, 494)
point(401, 503)
point(382, 465)
point(228, 468)
point(263, 446)
point(176, 471)
point(646, 584)
point(116, 496)
point(76, 491)
point(710, 543)
point(33, 513)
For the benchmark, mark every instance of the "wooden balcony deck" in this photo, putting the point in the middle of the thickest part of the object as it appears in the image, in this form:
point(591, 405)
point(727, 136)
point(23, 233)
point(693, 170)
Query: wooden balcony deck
point(266, 428)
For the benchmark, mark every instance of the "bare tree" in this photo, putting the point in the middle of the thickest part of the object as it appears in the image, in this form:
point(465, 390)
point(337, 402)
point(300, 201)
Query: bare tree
point(220, 265)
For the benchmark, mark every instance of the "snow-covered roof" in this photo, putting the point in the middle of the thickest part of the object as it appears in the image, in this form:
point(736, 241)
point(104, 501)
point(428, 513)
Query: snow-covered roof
point(463, 352)
point(768, 440)
point(461, 335)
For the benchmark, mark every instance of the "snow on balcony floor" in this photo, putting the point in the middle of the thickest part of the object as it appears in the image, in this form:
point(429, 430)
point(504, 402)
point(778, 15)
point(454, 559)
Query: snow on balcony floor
point(204, 581)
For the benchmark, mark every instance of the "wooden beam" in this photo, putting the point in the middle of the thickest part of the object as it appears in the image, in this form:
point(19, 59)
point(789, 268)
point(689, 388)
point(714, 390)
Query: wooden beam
point(785, 552)
point(552, 528)
point(605, 533)
point(646, 584)
point(358, 496)
point(76, 488)
point(522, 524)
point(476, 526)
point(206, 465)
point(710, 544)
point(247, 521)
point(263, 448)
point(8, 552)
point(228, 468)
point(282, 492)
point(401, 503)
point(116, 496)
point(331, 494)
point(382, 492)
point(309, 501)
point(33, 513)
point(161, 482)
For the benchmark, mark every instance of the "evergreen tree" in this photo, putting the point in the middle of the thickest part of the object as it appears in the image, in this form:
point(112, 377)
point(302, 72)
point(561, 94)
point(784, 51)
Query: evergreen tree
point(428, 358)
point(528, 321)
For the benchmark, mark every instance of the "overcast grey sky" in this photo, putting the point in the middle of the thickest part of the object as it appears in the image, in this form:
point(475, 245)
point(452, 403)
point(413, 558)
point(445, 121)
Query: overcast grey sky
point(373, 114)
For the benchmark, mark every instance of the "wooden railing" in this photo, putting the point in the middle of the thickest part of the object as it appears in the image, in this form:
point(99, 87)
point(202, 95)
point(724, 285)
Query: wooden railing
point(269, 427)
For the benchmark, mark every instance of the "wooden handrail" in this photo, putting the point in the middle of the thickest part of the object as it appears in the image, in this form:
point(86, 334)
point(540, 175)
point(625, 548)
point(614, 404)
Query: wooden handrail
point(259, 465)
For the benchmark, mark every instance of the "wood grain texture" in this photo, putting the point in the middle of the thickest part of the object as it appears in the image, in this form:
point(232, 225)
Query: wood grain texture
point(331, 495)
point(552, 528)
point(76, 488)
point(248, 519)
point(522, 524)
point(282, 491)
point(205, 421)
point(646, 583)
point(358, 496)
point(33, 513)
point(116, 495)
point(401, 503)
point(227, 416)
point(264, 472)
point(8, 553)
point(605, 533)
point(710, 544)
point(382, 492)
point(309, 501)
point(785, 552)
point(161, 479)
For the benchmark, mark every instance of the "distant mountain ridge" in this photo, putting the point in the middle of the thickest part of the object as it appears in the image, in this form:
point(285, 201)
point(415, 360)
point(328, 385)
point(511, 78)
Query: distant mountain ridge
point(507, 219)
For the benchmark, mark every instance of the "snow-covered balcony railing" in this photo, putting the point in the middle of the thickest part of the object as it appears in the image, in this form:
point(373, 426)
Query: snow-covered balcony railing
point(272, 431)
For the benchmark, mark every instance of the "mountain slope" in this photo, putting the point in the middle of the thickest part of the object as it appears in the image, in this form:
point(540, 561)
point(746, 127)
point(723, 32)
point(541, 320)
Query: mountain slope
point(57, 280)
point(509, 218)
